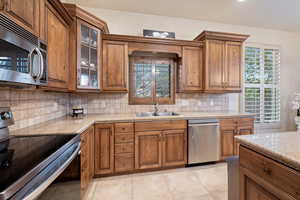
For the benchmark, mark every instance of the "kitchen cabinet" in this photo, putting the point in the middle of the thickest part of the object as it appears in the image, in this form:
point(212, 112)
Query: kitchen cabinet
point(262, 178)
point(190, 75)
point(24, 13)
point(104, 149)
point(58, 49)
point(115, 66)
point(85, 50)
point(223, 58)
point(174, 147)
point(148, 148)
point(86, 160)
point(124, 147)
point(231, 127)
point(160, 144)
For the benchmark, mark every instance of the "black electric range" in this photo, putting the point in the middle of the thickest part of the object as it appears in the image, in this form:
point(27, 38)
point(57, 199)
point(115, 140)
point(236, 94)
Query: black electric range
point(28, 164)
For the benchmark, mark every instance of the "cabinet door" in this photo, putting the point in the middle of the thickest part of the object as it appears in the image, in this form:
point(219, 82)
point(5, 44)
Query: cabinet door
point(104, 149)
point(148, 150)
point(57, 49)
point(24, 13)
point(251, 190)
point(89, 48)
point(214, 65)
point(232, 71)
point(174, 148)
point(191, 71)
point(228, 131)
point(245, 127)
point(115, 66)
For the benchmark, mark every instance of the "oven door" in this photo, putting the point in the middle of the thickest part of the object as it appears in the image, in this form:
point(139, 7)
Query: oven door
point(21, 61)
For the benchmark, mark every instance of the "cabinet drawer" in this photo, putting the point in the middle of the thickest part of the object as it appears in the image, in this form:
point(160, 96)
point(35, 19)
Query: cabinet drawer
point(124, 148)
point(246, 122)
point(278, 175)
point(160, 125)
point(123, 128)
point(124, 138)
point(230, 123)
point(124, 162)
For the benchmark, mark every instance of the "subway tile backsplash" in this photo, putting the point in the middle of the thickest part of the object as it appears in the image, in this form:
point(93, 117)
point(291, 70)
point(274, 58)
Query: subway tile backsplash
point(31, 107)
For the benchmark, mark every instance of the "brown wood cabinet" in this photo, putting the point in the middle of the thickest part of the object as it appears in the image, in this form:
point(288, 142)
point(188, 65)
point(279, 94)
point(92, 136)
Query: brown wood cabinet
point(115, 66)
point(190, 72)
point(231, 127)
point(24, 13)
point(174, 147)
point(85, 50)
point(262, 178)
point(104, 149)
point(164, 147)
point(58, 49)
point(124, 147)
point(86, 160)
point(223, 58)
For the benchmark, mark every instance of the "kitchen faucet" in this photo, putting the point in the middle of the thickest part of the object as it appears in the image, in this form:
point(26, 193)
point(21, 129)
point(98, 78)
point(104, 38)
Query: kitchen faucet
point(156, 109)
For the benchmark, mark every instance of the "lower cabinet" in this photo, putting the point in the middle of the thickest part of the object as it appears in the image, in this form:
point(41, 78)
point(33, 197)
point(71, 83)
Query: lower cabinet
point(162, 147)
point(148, 149)
point(262, 178)
point(104, 149)
point(86, 160)
point(231, 127)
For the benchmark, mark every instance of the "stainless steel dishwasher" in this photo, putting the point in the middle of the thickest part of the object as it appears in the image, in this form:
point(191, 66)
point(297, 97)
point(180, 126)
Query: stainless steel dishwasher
point(203, 140)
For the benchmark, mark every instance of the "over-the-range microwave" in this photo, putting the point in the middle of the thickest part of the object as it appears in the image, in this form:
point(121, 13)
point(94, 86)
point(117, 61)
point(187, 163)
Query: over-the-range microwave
point(23, 57)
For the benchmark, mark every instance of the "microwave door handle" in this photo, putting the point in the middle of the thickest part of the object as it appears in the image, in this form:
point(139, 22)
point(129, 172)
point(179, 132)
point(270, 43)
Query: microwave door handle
point(35, 76)
point(41, 66)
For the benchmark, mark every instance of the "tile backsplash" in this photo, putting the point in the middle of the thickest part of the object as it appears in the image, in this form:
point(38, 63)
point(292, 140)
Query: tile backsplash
point(31, 107)
point(118, 103)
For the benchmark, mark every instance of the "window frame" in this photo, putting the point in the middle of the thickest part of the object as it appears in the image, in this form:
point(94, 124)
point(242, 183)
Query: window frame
point(155, 59)
point(261, 125)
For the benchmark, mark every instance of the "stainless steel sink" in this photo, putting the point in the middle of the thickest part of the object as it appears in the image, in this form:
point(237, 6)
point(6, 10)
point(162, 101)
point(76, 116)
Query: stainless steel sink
point(153, 114)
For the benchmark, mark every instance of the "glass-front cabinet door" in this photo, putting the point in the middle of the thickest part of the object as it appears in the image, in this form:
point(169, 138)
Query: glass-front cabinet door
point(89, 48)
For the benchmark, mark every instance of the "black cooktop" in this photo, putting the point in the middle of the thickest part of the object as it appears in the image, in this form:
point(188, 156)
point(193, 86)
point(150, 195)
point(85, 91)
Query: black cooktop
point(19, 155)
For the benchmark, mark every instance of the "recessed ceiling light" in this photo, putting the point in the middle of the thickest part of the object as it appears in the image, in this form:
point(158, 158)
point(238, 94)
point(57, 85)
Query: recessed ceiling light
point(241, 0)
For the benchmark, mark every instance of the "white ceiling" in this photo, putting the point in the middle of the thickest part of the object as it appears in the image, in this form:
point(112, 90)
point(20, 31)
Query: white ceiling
point(273, 14)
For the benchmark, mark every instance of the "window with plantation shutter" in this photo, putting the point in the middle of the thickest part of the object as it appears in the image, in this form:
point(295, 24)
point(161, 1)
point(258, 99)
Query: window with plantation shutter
point(261, 83)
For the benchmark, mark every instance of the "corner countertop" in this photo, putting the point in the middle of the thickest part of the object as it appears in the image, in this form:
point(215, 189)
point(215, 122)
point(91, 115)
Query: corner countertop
point(283, 147)
point(69, 125)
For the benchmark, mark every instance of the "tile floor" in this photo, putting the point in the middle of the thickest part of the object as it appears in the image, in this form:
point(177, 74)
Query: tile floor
point(196, 183)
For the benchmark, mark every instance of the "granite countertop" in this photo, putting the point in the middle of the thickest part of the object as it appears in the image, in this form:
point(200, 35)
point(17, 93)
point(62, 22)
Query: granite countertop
point(283, 147)
point(69, 125)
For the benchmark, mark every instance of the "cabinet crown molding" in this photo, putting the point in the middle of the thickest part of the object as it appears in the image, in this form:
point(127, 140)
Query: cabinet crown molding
point(211, 35)
point(141, 39)
point(59, 7)
point(76, 11)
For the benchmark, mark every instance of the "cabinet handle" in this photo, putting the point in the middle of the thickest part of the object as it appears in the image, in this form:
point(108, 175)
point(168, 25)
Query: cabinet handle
point(267, 170)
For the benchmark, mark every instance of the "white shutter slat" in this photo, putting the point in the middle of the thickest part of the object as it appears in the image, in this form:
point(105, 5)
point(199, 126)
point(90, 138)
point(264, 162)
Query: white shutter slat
point(262, 81)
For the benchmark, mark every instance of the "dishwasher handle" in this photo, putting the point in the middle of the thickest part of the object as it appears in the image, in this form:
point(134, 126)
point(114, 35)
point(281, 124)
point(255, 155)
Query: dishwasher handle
point(199, 125)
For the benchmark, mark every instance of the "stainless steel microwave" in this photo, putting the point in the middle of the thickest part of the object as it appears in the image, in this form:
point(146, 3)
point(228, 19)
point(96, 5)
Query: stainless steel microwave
point(23, 57)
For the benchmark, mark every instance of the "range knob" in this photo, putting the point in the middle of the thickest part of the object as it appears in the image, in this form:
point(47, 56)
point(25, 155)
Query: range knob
point(5, 116)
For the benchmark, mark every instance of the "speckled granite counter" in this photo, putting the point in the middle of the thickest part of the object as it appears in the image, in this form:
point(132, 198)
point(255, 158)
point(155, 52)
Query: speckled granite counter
point(69, 125)
point(283, 147)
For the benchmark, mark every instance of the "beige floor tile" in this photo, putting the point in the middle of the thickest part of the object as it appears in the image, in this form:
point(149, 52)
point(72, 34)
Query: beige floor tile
point(151, 187)
point(113, 189)
point(186, 196)
point(185, 182)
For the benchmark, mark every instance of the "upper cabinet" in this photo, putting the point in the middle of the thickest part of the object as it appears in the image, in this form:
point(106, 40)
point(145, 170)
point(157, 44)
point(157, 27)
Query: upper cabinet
point(56, 24)
point(223, 60)
point(24, 13)
point(115, 66)
point(190, 72)
point(85, 50)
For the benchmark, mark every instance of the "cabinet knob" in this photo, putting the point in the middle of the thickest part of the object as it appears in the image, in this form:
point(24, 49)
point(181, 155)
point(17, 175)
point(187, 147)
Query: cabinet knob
point(267, 170)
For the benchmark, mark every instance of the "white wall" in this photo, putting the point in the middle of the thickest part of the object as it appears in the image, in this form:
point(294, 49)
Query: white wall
point(120, 22)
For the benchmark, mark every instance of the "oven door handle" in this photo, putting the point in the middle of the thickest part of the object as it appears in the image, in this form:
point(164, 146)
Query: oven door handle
point(39, 190)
